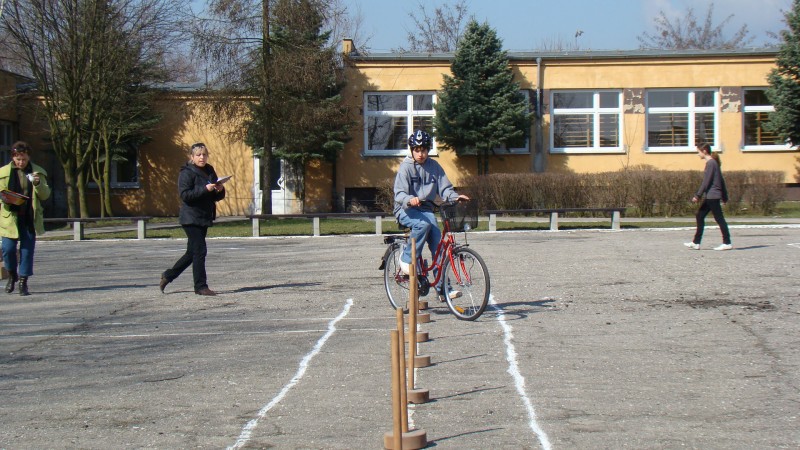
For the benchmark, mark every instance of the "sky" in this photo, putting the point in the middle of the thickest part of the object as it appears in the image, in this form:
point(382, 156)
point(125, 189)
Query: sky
point(530, 24)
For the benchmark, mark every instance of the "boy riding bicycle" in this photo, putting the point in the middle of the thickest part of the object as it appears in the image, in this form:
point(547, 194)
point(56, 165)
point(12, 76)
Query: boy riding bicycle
point(419, 181)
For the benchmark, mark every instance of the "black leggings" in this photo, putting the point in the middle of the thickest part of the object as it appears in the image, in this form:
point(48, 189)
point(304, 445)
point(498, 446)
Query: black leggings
point(714, 205)
point(195, 256)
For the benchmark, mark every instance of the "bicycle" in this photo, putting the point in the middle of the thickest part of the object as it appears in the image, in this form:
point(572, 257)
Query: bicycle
point(466, 279)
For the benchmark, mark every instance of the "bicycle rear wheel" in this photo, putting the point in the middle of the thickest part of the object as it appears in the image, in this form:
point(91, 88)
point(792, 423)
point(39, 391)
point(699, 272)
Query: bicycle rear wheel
point(395, 281)
point(466, 284)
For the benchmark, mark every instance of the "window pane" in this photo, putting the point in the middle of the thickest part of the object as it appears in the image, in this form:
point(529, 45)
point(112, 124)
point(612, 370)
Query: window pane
point(754, 131)
point(423, 102)
point(573, 100)
point(423, 123)
point(573, 130)
point(668, 130)
point(609, 130)
point(126, 169)
point(704, 128)
point(704, 98)
point(609, 100)
point(387, 133)
point(756, 97)
point(387, 102)
point(668, 99)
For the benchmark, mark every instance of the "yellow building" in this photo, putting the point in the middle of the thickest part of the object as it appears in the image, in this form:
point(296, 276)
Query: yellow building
point(600, 111)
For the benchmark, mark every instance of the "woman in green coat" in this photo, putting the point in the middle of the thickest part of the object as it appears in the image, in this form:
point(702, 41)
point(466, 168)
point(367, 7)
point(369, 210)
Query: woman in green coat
point(23, 185)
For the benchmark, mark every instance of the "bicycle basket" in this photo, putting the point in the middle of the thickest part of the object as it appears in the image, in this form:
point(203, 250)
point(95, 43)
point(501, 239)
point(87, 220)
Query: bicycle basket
point(461, 216)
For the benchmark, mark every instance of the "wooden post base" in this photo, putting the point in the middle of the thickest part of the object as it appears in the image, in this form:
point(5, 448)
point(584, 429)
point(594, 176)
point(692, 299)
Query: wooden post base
point(418, 396)
point(422, 305)
point(423, 317)
point(412, 439)
point(422, 361)
point(422, 336)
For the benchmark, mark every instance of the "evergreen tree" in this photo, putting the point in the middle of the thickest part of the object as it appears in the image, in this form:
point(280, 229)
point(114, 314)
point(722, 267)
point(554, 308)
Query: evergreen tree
point(784, 81)
point(307, 117)
point(480, 107)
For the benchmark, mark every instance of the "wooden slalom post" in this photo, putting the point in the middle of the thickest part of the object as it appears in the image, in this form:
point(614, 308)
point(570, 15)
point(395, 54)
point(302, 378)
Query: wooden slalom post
point(397, 438)
point(414, 395)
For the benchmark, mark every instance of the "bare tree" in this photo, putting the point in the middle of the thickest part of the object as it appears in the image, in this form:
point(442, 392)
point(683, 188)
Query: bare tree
point(689, 32)
point(69, 49)
point(438, 31)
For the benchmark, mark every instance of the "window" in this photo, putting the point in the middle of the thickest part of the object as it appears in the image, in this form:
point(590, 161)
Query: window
point(678, 120)
point(585, 121)
point(756, 114)
point(125, 168)
point(6, 139)
point(389, 118)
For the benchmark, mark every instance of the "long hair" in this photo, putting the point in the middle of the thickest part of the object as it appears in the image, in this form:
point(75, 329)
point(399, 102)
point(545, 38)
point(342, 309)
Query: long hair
point(706, 148)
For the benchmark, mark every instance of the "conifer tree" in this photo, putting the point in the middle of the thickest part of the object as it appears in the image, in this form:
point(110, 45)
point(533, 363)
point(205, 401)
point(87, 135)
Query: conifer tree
point(784, 81)
point(480, 108)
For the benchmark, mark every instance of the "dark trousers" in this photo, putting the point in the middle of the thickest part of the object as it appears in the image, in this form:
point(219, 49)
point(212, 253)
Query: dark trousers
point(195, 256)
point(715, 206)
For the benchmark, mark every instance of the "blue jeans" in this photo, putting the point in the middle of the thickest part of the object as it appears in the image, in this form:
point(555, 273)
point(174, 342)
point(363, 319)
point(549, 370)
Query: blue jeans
point(423, 229)
point(27, 243)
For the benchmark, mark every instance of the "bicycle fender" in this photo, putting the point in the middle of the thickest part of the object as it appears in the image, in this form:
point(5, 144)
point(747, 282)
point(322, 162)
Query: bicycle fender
point(386, 255)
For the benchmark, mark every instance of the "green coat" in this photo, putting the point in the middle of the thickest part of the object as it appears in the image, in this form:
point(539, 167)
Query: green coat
point(8, 218)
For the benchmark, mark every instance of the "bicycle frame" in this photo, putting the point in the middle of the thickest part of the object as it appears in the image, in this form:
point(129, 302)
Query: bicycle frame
point(443, 250)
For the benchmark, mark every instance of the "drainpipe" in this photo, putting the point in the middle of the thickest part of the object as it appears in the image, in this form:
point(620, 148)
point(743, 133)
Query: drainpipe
point(538, 147)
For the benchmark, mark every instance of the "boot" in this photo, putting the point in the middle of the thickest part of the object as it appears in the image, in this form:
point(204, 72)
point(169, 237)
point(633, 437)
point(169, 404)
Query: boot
point(12, 280)
point(23, 286)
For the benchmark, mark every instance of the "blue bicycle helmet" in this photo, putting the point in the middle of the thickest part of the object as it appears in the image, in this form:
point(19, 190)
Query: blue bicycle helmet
point(419, 138)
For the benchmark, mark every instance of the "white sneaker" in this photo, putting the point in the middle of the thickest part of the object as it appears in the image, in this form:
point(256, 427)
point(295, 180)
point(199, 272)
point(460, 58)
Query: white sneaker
point(692, 245)
point(404, 267)
point(453, 295)
point(723, 247)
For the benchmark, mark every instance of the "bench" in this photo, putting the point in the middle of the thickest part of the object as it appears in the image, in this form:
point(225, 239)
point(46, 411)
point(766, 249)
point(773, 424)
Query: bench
point(554, 212)
point(257, 218)
point(78, 224)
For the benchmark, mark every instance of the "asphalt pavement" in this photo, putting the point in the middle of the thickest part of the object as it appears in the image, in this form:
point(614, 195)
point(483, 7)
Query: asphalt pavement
point(596, 339)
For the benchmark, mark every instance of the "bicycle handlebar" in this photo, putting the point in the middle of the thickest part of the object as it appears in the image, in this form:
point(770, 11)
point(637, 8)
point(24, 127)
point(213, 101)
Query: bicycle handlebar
point(439, 205)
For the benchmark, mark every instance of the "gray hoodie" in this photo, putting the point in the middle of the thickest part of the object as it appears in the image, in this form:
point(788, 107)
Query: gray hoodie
point(426, 181)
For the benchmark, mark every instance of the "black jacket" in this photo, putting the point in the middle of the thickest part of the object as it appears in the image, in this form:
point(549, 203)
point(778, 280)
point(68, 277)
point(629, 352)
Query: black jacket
point(198, 204)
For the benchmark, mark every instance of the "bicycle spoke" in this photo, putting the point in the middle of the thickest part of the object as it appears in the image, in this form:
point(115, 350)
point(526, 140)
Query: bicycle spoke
point(466, 285)
point(395, 282)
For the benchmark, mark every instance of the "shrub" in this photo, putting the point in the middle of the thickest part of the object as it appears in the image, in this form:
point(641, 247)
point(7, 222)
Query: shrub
point(649, 192)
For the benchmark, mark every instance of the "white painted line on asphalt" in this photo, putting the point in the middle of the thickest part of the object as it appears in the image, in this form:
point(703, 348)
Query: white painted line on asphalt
point(795, 245)
point(519, 380)
point(247, 431)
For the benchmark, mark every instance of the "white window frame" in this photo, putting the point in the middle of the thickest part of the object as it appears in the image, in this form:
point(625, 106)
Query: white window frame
point(408, 114)
point(754, 109)
point(595, 111)
point(691, 111)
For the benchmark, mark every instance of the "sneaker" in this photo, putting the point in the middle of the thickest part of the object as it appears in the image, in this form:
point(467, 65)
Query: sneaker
point(692, 245)
point(453, 295)
point(723, 247)
point(404, 267)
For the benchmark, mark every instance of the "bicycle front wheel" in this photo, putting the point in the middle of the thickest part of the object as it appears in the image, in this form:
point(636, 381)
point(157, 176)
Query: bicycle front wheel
point(396, 281)
point(466, 284)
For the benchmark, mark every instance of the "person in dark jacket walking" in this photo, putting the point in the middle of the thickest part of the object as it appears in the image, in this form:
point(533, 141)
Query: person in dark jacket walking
point(716, 194)
point(199, 190)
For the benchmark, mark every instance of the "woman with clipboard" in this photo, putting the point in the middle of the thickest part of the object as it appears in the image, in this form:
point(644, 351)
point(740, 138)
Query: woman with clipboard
point(200, 189)
point(23, 185)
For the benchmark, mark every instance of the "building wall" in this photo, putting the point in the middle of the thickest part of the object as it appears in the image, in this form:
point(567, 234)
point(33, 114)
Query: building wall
point(726, 73)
